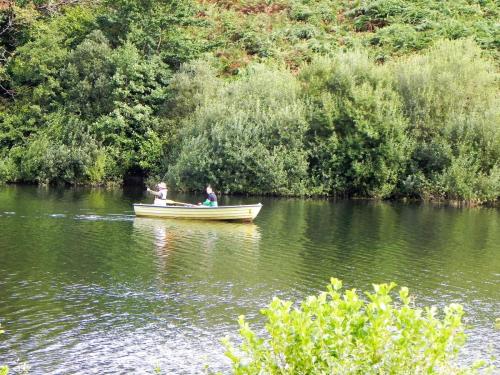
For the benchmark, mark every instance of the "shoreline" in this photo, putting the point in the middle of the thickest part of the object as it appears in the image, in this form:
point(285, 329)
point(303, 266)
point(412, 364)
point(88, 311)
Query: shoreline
point(445, 202)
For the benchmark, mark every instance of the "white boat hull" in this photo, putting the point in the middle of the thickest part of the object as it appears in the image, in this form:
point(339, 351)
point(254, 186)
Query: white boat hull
point(244, 212)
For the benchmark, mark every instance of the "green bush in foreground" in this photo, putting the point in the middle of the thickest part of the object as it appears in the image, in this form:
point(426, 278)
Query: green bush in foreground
point(4, 370)
point(341, 333)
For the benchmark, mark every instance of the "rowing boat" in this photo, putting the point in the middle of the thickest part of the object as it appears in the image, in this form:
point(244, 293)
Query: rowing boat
point(242, 212)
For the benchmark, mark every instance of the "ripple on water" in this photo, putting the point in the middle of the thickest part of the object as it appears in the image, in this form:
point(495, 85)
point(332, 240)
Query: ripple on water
point(110, 217)
point(99, 291)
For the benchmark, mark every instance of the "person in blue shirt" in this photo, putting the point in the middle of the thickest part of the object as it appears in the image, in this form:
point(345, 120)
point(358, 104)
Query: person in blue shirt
point(211, 200)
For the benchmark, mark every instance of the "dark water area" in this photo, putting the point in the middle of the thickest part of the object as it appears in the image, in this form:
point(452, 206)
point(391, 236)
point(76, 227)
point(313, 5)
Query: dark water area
point(87, 288)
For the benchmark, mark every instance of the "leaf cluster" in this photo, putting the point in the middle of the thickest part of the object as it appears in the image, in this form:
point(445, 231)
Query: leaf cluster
point(348, 333)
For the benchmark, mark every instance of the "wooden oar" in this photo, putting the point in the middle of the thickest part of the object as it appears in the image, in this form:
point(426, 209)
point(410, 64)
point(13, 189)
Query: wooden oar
point(181, 203)
point(168, 201)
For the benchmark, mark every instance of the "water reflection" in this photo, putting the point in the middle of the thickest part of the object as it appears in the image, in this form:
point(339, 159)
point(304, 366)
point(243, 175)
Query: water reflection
point(166, 232)
point(196, 238)
point(81, 277)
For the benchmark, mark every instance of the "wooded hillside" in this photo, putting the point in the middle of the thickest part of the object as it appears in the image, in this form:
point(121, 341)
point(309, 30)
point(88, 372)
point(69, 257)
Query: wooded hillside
point(373, 98)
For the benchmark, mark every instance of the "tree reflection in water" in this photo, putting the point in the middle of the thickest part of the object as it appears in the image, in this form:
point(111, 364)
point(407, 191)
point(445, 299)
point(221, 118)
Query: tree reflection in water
point(167, 235)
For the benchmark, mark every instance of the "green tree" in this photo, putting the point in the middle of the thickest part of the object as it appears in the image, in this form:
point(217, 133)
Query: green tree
point(450, 98)
point(357, 129)
point(247, 136)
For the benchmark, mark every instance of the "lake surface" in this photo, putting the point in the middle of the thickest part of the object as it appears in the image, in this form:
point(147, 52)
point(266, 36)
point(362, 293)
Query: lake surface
point(85, 287)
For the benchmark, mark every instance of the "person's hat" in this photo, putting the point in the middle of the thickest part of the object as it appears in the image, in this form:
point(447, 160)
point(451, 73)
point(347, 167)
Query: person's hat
point(162, 185)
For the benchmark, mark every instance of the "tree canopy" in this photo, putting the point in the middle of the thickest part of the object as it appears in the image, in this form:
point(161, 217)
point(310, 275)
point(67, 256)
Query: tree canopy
point(376, 98)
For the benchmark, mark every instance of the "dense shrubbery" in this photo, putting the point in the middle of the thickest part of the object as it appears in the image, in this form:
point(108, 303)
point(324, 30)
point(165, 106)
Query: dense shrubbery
point(425, 126)
point(450, 97)
point(357, 133)
point(245, 136)
point(342, 333)
point(356, 98)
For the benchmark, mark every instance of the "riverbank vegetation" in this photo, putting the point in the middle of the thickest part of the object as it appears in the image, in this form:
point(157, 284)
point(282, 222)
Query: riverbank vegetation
point(340, 332)
point(377, 98)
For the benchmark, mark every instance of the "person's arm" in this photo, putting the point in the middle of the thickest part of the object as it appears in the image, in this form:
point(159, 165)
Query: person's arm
point(156, 193)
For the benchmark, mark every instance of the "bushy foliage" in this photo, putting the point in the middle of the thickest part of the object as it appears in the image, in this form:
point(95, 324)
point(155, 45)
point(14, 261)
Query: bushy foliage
point(246, 136)
point(357, 128)
point(450, 99)
point(396, 26)
point(83, 106)
point(365, 98)
point(423, 126)
point(345, 333)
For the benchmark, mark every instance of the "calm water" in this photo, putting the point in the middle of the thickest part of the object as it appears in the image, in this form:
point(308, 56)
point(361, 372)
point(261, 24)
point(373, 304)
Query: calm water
point(87, 288)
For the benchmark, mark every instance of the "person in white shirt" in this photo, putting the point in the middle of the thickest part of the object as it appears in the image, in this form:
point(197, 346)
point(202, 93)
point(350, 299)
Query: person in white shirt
point(160, 195)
